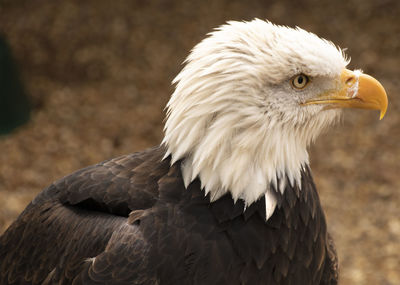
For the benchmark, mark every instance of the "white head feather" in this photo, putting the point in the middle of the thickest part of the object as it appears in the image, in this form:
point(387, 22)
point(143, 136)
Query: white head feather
point(234, 118)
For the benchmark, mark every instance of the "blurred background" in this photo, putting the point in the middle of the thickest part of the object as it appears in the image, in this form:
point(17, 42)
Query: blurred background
point(90, 80)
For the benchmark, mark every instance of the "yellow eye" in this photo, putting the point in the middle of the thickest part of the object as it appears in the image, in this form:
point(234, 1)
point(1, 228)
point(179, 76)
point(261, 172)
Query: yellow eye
point(300, 81)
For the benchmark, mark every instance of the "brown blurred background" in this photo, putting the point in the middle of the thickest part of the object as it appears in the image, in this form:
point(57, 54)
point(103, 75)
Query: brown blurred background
point(98, 75)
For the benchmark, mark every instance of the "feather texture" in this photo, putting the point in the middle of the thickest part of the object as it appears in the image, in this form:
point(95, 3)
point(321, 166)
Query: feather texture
point(233, 117)
point(79, 231)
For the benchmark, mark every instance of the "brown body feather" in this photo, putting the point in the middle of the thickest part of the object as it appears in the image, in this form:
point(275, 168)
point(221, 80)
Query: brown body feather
point(130, 220)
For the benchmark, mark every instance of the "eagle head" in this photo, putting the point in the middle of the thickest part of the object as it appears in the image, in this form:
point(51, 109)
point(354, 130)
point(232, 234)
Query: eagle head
point(250, 99)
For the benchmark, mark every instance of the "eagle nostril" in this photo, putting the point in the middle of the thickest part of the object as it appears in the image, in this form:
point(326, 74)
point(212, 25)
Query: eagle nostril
point(350, 80)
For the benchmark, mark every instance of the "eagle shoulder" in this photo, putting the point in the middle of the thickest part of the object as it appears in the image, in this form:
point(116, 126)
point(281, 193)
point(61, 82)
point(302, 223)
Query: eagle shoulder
point(91, 206)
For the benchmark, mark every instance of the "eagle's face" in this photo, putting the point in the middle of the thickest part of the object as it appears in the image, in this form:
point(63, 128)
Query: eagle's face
point(250, 99)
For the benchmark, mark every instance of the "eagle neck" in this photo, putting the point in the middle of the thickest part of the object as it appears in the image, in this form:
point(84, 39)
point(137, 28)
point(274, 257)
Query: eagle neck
point(248, 169)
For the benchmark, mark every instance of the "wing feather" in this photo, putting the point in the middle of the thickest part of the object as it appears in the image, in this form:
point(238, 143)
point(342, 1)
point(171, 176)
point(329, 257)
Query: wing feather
point(83, 216)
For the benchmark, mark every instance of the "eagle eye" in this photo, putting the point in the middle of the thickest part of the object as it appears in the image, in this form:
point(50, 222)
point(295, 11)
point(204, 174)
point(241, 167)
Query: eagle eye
point(300, 81)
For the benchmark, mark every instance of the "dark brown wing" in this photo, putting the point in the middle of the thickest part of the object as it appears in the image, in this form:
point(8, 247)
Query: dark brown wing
point(90, 206)
point(123, 261)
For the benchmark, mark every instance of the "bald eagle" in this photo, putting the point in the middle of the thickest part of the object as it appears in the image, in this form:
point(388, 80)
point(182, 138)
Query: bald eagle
point(228, 196)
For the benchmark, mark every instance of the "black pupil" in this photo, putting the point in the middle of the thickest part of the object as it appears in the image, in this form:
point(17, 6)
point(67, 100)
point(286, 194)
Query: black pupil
point(300, 79)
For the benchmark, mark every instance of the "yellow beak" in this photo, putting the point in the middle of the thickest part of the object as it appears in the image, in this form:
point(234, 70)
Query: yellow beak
point(356, 90)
